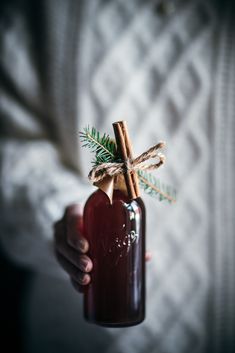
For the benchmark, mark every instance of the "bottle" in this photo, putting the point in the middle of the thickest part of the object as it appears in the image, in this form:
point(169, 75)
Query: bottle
point(115, 230)
point(116, 235)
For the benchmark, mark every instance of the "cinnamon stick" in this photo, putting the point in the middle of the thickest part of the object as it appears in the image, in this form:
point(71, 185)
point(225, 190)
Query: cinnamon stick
point(124, 147)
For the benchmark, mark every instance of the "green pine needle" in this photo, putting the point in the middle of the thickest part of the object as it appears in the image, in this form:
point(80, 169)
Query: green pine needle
point(106, 152)
point(103, 146)
point(155, 188)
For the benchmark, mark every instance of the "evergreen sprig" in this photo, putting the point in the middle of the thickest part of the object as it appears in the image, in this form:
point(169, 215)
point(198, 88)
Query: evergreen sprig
point(154, 187)
point(103, 146)
point(106, 152)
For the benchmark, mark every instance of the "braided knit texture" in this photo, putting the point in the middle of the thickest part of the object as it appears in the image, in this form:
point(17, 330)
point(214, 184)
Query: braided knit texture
point(155, 73)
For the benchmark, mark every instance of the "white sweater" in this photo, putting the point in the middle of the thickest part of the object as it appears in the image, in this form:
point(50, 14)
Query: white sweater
point(66, 64)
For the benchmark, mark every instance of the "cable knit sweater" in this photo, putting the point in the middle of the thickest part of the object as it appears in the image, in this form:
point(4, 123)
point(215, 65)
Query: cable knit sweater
point(65, 64)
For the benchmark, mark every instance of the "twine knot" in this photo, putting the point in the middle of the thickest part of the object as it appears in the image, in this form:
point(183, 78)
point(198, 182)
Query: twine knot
point(115, 168)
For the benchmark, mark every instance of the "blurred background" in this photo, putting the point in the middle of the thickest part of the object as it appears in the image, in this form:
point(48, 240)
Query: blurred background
point(167, 67)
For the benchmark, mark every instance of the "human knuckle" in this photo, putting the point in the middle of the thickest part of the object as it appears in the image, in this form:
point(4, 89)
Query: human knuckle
point(73, 209)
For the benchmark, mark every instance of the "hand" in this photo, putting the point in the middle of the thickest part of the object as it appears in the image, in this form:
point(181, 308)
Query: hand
point(71, 247)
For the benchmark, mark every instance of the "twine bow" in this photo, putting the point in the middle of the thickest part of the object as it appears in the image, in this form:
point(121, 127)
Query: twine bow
point(112, 169)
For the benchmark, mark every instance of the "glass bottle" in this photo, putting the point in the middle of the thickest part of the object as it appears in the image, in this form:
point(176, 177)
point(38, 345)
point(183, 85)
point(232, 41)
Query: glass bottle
point(116, 235)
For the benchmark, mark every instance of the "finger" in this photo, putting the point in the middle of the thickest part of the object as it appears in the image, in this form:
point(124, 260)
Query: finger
point(78, 287)
point(148, 256)
point(75, 207)
point(77, 275)
point(82, 262)
point(61, 239)
point(74, 228)
point(77, 241)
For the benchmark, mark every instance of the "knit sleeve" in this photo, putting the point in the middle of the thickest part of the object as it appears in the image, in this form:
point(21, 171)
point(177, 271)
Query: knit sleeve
point(35, 189)
point(36, 183)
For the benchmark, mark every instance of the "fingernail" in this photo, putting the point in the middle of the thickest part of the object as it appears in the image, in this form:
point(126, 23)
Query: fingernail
point(84, 265)
point(83, 279)
point(81, 244)
point(77, 243)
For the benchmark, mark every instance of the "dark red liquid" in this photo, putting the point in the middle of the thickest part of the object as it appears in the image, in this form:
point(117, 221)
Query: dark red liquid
point(116, 234)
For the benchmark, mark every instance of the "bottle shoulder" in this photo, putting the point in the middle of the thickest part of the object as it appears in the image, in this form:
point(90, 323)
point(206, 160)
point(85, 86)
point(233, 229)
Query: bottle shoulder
point(99, 197)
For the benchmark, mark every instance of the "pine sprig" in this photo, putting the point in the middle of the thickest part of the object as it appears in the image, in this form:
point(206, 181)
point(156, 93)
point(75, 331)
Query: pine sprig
point(155, 187)
point(103, 146)
point(106, 152)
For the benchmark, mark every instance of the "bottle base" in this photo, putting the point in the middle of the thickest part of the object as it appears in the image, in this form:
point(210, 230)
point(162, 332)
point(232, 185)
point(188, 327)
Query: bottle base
point(115, 324)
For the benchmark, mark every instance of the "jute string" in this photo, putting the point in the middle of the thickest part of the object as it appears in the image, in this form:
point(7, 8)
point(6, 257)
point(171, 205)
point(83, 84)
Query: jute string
point(113, 169)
